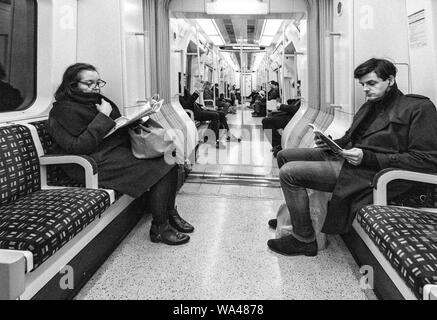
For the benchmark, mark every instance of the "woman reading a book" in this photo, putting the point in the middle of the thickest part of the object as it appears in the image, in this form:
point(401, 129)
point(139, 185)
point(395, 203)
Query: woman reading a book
point(79, 121)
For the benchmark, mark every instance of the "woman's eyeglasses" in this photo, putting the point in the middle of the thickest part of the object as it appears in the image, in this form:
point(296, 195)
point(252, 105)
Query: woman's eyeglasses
point(94, 84)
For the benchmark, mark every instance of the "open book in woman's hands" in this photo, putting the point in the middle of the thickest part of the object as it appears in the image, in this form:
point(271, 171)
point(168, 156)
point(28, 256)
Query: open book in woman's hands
point(326, 139)
point(146, 110)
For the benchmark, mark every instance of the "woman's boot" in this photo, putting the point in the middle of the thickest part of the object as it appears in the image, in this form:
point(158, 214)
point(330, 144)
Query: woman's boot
point(166, 234)
point(178, 223)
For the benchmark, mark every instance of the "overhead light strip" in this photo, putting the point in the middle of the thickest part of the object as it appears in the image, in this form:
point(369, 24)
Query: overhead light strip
point(211, 30)
point(269, 31)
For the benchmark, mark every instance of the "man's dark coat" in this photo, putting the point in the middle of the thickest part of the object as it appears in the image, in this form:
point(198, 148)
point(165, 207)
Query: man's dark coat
point(403, 136)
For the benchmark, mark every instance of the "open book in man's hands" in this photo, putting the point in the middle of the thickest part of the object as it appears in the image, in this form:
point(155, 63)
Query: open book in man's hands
point(146, 110)
point(329, 142)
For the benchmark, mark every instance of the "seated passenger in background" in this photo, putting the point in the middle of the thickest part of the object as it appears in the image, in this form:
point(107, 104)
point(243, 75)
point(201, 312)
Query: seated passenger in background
point(260, 106)
point(78, 122)
point(238, 95)
point(279, 120)
point(274, 93)
point(223, 104)
point(233, 98)
point(10, 97)
point(208, 95)
point(217, 119)
point(253, 96)
point(391, 130)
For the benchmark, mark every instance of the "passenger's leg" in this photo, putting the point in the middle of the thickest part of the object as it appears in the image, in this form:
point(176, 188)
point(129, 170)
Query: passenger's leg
point(161, 202)
point(209, 116)
point(176, 221)
point(295, 178)
point(274, 124)
point(223, 120)
point(302, 169)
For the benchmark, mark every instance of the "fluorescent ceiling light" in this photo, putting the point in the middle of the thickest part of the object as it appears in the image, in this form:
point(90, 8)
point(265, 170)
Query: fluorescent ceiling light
point(208, 26)
point(237, 6)
point(266, 41)
point(217, 40)
point(271, 27)
point(269, 31)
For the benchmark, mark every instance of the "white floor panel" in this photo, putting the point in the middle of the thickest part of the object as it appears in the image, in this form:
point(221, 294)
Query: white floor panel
point(226, 258)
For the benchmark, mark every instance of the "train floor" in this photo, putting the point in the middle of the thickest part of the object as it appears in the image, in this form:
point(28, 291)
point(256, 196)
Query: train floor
point(229, 197)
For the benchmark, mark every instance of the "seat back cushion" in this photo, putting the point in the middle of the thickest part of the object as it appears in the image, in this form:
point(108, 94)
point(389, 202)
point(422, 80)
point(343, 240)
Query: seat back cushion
point(19, 164)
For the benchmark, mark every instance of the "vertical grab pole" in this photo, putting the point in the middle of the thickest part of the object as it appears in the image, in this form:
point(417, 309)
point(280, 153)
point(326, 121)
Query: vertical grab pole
point(213, 75)
point(198, 54)
point(242, 80)
point(282, 90)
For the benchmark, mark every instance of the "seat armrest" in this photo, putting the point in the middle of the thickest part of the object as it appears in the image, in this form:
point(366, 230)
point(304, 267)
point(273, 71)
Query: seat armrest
point(190, 113)
point(89, 165)
point(430, 292)
point(12, 274)
point(383, 178)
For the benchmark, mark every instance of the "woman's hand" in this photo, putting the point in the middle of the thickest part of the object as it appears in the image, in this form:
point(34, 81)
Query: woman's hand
point(320, 144)
point(353, 156)
point(104, 108)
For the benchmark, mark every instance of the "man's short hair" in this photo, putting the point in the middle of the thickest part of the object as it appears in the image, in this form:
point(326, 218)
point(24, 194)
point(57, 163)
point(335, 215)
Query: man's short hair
point(383, 69)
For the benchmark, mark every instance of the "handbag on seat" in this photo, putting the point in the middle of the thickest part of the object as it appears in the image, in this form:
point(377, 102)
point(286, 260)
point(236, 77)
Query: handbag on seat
point(149, 141)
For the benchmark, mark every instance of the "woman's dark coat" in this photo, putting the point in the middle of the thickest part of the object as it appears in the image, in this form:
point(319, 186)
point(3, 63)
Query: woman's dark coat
point(403, 136)
point(79, 128)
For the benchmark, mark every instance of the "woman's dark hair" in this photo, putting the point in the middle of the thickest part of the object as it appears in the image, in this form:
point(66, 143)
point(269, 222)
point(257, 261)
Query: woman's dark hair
point(70, 79)
point(383, 69)
point(2, 72)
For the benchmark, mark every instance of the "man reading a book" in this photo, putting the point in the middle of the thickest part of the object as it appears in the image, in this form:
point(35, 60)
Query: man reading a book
point(391, 130)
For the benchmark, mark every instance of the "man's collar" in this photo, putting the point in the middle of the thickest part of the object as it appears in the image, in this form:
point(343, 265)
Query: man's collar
point(388, 98)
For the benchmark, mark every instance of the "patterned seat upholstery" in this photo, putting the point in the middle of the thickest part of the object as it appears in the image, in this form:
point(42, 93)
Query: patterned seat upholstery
point(19, 164)
point(40, 221)
point(408, 239)
point(44, 221)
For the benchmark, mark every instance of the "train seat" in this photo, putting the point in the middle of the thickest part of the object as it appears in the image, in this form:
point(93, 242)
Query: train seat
point(33, 218)
point(43, 221)
point(397, 236)
point(407, 238)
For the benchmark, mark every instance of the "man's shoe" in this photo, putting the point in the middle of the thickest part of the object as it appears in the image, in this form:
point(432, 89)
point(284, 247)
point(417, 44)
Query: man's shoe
point(178, 223)
point(273, 223)
point(166, 234)
point(290, 246)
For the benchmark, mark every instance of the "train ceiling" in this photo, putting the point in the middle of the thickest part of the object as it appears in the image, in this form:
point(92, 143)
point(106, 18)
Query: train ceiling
point(247, 29)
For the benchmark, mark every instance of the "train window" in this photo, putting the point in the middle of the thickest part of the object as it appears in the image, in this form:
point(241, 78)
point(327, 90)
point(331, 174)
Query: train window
point(17, 54)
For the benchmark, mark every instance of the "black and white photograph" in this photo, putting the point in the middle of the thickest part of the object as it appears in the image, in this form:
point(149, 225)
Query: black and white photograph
point(218, 158)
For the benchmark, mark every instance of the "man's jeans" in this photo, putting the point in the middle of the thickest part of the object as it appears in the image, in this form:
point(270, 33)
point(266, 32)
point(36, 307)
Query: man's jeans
point(301, 169)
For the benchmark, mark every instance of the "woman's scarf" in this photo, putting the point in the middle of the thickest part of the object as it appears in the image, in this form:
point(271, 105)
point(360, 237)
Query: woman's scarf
point(76, 112)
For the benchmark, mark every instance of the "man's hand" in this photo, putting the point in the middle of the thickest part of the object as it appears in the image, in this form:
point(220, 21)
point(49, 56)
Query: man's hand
point(104, 108)
point(353, 156)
